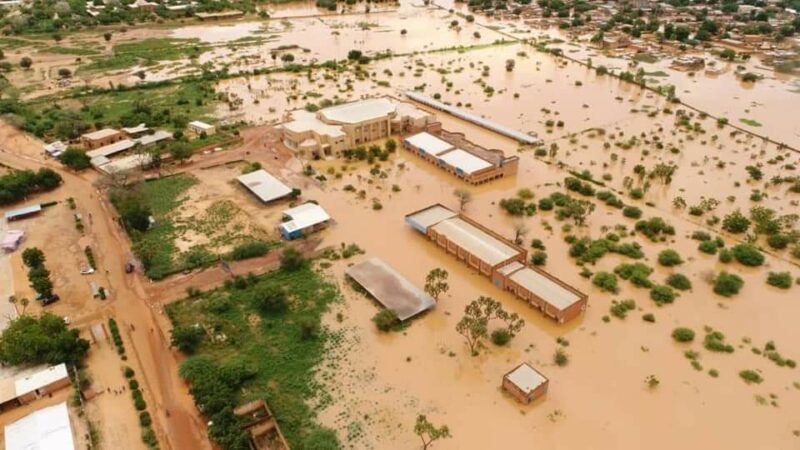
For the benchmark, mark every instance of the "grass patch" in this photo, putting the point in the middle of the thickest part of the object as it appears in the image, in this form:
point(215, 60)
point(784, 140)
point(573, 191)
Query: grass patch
point(271, 343)
point(78, 51)
point(146, 52)
point(751, 122)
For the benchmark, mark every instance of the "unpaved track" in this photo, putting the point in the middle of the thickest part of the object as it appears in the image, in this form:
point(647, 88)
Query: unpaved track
point(184, 428)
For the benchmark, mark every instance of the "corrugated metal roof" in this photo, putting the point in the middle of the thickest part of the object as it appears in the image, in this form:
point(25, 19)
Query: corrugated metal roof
point(526, 378)
point(266, 187)
point(429, 143)
point(545, 288)
point(390, 288)
point(40, 379)
point(464, 161)
point(476, 241)
point(304, 216)
point(359, 111)
point(428, 217)
point(44, 429)
point(24, 211)
point(111, 149)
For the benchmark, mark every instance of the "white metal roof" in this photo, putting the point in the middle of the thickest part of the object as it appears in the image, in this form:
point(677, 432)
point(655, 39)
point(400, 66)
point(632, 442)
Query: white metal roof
point(360, 111)
point(429, 143)
point(464, 161)
point(158, 136)
point(111, 149)
point(264, 186)
point(129, 162)
point(44, 429)
point(40, 379)
point(25, 210)
point(304, 216)
point(476, 241)
point(545, 288)
point(100, 134)
point(526, 378)
point(55, 147)
point(510, 268)
point(422, 220)
point(199, 124)
point(141, 128)
point(304, 121)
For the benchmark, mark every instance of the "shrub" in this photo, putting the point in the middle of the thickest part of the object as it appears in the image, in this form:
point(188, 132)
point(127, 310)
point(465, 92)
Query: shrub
point(386, 320)
point(309, 328)
point(662, 294)
point(683, 334)
point(637, 273)
point(708, 247)
point(649, 317)
point(669, 258)
point(654, 228)
point(545, 204)
point(750, 376)
point(501, 336)
point(144, 419)
point(271, 299)
point(748, 255)
point(133, 384)
point(621, 309)
point(632, 212)
point(251, 249)
point(128, 372)
point(538, 258)
point(75, 159)
point(735, 222)
point(725, 256)
point(292, 260)
point(715, 342)
point(187, 338)
point(679, 281)
point(779, 241)
point(560, 358)
point(781, 280)
point(606, 281)
point(727, 284)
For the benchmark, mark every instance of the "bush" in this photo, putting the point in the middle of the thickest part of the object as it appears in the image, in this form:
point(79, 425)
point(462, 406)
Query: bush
point(662, 294)
point(620, 309)
point(683, 334)
point(781, 280)
point(715, 342)
point(637, 273)
point(538, 258)
point(748, 255)
point(292, 260)
point(679, 281)
point(750, 376)
point(386, 320)
point(128, 372)
point(187, 338)
point(500, 336)
point(545, 204)
point(560, 358)
point(144, 419)
point(251, 249)
point(735, 222)
point(632, 212)
point(271, 299)
point(18, 184)
point(133, 384)
point(605, 281)
point(75, 159)
point(309, 328)
point(779, 241)
point(649, 317)
point(727, 284)
point(669, 258)
point(725, 256)
point(708, 247)
point(654, 228)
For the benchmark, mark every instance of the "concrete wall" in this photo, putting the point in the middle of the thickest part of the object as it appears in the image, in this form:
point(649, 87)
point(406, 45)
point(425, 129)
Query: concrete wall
point(91, 144)
point(524, 397)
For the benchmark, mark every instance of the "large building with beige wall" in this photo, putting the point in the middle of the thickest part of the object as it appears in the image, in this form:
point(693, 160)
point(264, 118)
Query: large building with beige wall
point(329, 131)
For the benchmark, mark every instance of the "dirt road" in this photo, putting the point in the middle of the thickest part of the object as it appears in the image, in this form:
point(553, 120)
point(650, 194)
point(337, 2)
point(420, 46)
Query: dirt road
point(184, 428)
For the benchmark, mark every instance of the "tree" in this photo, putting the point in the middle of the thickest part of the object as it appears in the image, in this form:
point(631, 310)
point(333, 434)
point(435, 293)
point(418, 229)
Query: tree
point(41, 340)
point(579, 210)
point(520, 230)
point(287, 57)
point(386, 320)
point(735, 222)
point(133, 210)
point(748, 255)
point(292, 260)
point(26, 62)
point(683, 334)
point(40, 282)
point(75, 159)
point(107, 36)
point(669, 258)
point(354, 55)
point(271, 299)
point(180, 151)
point(33, 257)
point(474, 326)
point(464, 197)
point(429, 433)
point(187, 338)
point(436, 282)
point(728, 284)
point(64, 73)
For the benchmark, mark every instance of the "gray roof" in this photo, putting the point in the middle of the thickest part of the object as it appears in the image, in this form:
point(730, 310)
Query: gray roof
point(545, 288)
point(526, 378)
point(390, 288)
point(488, 248)
point(21, 212)
point(264, 186)
point(429, 143)
point(421, 220)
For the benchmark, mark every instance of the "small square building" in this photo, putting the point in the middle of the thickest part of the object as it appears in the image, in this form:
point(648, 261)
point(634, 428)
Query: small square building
point(525, 383)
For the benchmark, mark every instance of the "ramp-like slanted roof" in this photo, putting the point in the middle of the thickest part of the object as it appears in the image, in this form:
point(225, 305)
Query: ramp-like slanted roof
point(390, 288)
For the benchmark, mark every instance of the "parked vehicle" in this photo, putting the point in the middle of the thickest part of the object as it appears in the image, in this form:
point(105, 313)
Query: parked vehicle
point(52, 299)
point(129, 267)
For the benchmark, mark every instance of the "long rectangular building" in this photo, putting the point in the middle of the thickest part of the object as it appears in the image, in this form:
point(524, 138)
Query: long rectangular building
point(498, 259)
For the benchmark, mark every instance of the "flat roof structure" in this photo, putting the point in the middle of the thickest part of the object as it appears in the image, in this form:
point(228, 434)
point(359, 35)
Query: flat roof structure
point(304, 216)
point(545, 288)
point(303, 121)
point(390, 288)
point(427, 217)
point(264, 186)
point(488, 248)
point(45, 429)
point(464, 161)
point(129, 162)
point(359, 111)
point(112, 149)
point(200, 125)
point(154, 138)
point(429, 143)
point(40, 379)
point(19, 213)
point(141, 128)
point(470, 117)
point(526, 378)
point(100, 134)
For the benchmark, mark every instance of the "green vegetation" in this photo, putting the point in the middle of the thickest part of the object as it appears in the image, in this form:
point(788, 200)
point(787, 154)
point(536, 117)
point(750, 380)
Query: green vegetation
point(560, 357)
point(620, 309)
point(252, 249)
point(478, 314)
point(428, 432)
point(751, 122)
point(715, 342)
point(782, 280)
point(683, 334)
point(263, 353)
point(637, 273)
point(751, 376)
point(19, 184)
point(655, 228)
point(436, 282)
point(748, 255)
point(606, 281)
point(75, 159)
point(117, 338)
point(41, 340)
point(662, 294)
point(669, 258)
point(386, 320)
point(679, 281)
point(728, 284)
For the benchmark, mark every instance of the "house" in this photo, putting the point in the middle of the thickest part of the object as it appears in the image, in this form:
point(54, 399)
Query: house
point(21, 213)
point(219, 15)
point(303, 220)
point(331, 130)
point(264, 186)
point(144, 5)
point(499, 260)
point(197, 128)
point(21, 386)
point(137, 131)
point(688, 63)
point(11, 240)
point(100, 138)
point(525, 383)
point(47, 428)
point(261, 426)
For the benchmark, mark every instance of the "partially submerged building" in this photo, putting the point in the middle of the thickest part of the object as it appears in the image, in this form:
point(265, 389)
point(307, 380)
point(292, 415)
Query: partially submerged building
point(390, 288)
point(331, 130)
point(264, 186)
point(500, 260)
point(525, 383)
point(44, 429)
point(303, 220)
point(464, 159)
point(261, 426)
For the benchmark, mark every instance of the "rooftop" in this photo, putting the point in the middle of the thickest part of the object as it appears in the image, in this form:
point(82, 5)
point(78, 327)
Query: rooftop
point(304, 216)
point(44, 429)
point(429, 143)
point(24, 211)
point(201, 125)
point(422, 220)
point(111, 149)
point(545, 288)
point(303, 121)
point(464, 161)
point(526, 378)
point(390, 288)
point(156, 137)
point(100, 134)
point(359, 111)
point(40, 379)
point(141, 128)
point(264, 186)
point(476, 241)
